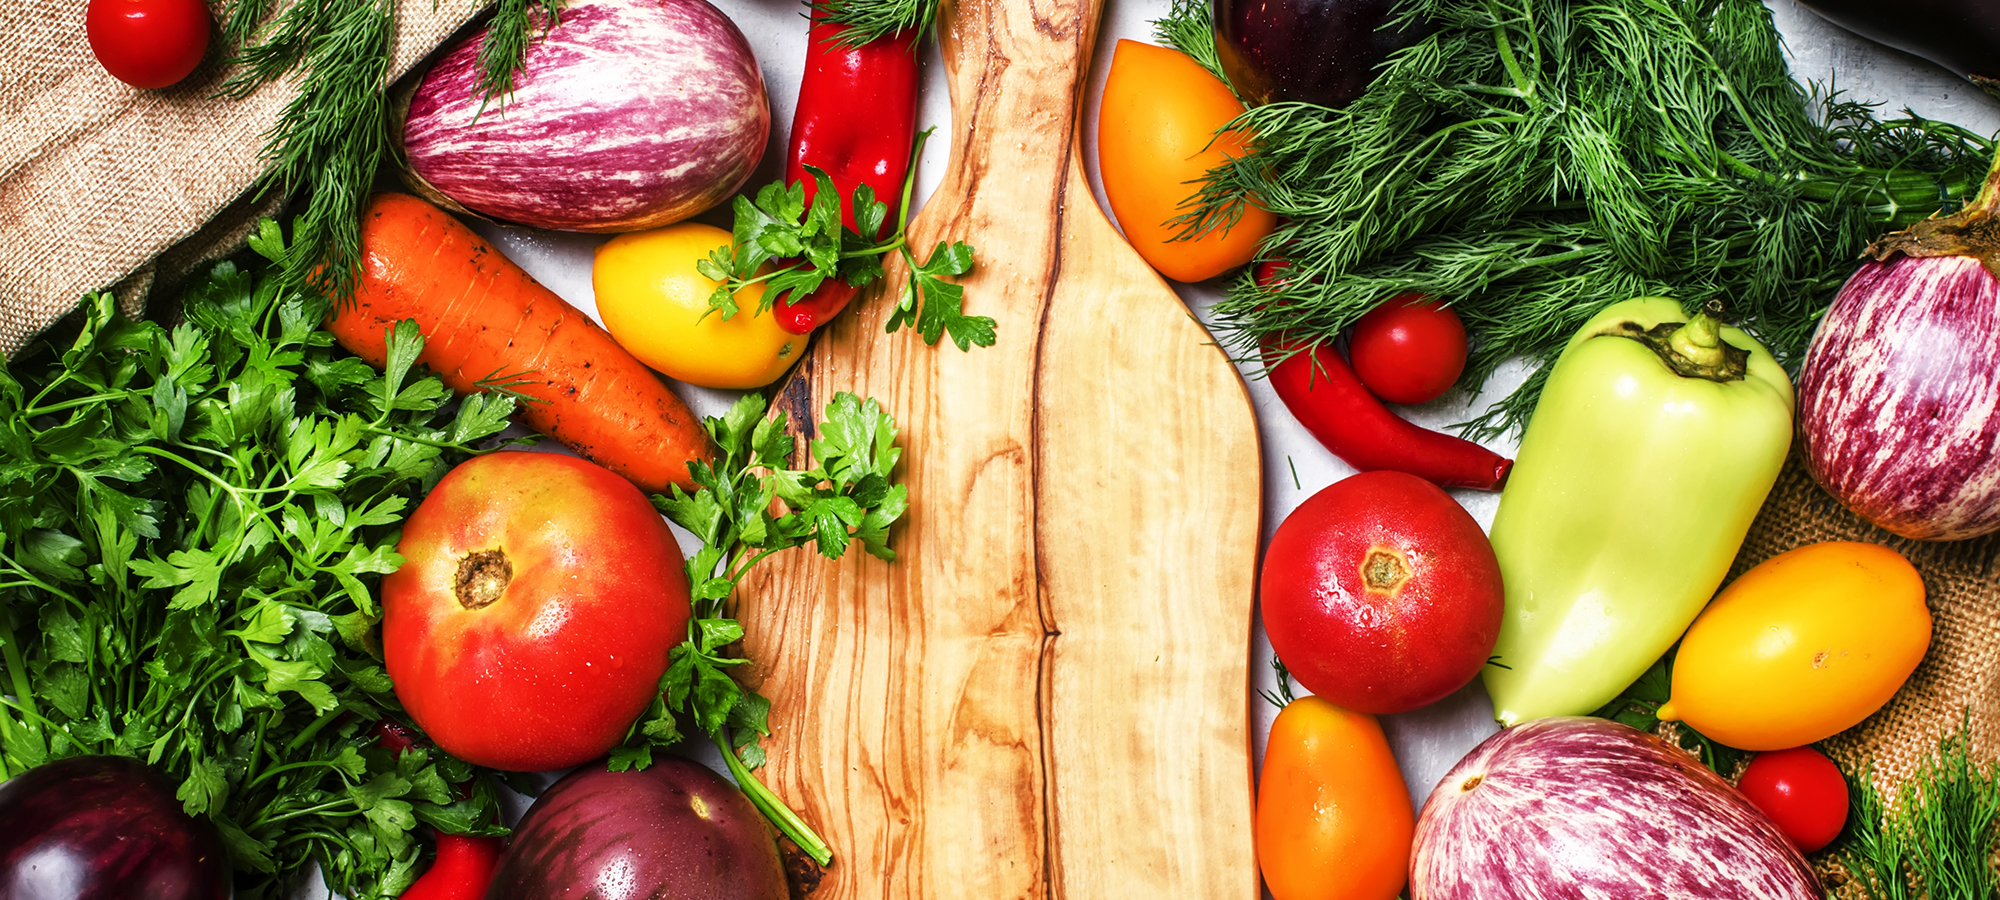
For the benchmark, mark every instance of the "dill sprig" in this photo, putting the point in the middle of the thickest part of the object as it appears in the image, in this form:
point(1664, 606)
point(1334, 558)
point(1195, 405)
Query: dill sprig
point(1937, 839)
point(867, 20)
point(1188, 27)
point(330, 139)
point(1533, 161)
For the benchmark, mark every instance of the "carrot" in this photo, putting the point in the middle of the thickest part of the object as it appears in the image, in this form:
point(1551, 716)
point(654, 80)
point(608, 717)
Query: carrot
point(481, 316)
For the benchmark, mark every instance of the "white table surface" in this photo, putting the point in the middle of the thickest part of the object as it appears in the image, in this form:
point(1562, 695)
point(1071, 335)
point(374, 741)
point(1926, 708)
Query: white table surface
point(1427, 741)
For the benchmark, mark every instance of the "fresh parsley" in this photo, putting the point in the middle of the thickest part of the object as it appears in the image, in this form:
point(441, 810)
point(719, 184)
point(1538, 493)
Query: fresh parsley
point(780, 225)
point(844, 499)
point(192, 522)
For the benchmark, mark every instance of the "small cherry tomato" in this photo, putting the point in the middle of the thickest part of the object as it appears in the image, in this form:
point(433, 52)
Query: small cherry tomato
point(1411, 349)
point(1803, 793)
point(654, 302)
point(1156, 141)
point(148, 43)
point(1333, 814)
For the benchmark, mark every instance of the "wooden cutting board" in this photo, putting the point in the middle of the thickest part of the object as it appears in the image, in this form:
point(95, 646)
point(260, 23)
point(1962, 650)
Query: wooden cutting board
point(1047, 694)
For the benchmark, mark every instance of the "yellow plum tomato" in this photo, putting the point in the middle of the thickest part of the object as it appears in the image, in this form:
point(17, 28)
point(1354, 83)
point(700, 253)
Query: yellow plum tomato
point(530, 622)
point(654, 302)
point(1803, 646)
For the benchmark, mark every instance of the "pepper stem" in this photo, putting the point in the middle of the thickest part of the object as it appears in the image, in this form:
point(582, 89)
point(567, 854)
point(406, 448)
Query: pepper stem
point(1699, 341)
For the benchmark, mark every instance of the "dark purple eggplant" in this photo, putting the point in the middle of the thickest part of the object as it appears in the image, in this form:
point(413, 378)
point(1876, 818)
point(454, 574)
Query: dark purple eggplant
point(1960, 35)
point(675, 829)
point(1315, 51)
point(104, 828)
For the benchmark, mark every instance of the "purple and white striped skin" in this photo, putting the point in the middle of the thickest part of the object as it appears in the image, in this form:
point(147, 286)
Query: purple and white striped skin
point(1900, 397)
point(1582, 808)
point(631, 114)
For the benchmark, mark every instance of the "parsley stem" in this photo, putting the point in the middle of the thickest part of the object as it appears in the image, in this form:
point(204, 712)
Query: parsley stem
point(74, 402)
point(769, 803)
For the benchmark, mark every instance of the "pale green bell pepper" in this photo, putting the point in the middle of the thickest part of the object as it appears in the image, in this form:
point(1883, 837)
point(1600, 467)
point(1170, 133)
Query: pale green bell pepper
point(1653, 445)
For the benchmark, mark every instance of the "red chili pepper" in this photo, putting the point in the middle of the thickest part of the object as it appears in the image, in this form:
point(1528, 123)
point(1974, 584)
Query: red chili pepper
point(1324, 394)
point(463, 869)
point(856, 119)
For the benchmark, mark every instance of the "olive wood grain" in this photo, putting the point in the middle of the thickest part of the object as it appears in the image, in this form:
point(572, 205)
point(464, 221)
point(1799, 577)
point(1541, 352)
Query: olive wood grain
point(1046, 695)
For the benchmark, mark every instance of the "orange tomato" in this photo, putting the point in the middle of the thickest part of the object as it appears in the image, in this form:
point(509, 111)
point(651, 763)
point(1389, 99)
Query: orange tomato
point(1333, 816)
point(1159, 113)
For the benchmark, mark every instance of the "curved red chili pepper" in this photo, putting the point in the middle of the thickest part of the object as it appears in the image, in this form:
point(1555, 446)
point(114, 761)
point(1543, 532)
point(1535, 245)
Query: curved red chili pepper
point(856, 120)
point(1325, 395)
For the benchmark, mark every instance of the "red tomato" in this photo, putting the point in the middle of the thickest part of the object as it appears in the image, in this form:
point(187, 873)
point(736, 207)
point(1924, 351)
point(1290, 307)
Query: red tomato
point(148, 43)
point(1381, 593)
point(530, 625)
point(1410, 349)
point(1802, 791)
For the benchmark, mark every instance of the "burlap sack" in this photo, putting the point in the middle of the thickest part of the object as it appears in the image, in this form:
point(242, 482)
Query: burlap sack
point(1959, 678)
point(102, 184)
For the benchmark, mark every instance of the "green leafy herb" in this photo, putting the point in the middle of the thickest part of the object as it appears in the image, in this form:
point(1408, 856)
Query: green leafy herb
point(1937, 839)
point(192, 521)
point(781, 225)
point(869, 20)
point(1534, 161)
point(845, 498)
point(331, 138)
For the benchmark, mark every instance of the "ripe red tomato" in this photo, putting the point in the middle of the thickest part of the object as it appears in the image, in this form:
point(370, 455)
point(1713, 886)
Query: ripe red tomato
point(148, 43)
point(530, 625)
point(1410, 349)
point(1381, 593)
point(1802, 791)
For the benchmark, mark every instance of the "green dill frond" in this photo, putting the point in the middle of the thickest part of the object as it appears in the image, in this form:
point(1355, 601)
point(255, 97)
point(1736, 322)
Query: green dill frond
point(1189, 26)
point(515, 25)
point(867, 20)
point(1533, 161)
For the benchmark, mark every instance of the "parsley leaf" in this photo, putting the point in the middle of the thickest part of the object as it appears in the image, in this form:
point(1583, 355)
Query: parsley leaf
point(746, 506)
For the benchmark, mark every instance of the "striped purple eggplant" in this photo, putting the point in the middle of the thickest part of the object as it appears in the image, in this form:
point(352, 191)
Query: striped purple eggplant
point(104, 828)
point(1589, 809)
point(1900, 397)
point(629, 114)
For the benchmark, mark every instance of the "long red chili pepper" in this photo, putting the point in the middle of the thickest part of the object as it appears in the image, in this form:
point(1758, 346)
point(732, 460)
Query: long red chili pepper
point(1324, 394)
point(465, 863)
point(856, 119)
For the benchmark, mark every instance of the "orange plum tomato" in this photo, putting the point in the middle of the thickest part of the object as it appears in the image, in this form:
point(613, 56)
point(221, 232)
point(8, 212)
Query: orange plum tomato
point(654, 302)
point(1334, 820)
point(1156, 141)
point(530, 623)
point(147, 43)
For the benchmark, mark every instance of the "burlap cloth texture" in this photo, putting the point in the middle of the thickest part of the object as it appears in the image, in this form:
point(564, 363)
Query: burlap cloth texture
point(1958, 682)
point(103, 185)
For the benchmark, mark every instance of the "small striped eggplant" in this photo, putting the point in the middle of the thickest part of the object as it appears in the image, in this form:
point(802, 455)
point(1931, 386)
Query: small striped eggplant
point(629, 114)
point(1577, 807)
point(1900, 397)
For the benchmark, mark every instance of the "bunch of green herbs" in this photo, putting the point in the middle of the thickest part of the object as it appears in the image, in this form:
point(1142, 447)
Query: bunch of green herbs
point(844, 498)
point(192, 520)
point(1533, 161)
point(1934, 838)
point(331, 137)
